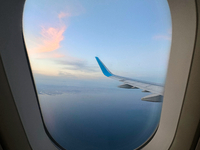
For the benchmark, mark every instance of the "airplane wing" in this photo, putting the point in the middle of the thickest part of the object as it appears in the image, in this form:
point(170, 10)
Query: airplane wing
point(156, 90)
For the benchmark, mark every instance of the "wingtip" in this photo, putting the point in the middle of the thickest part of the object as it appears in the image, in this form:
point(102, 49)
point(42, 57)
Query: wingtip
point(97, 58)
point(104, 69)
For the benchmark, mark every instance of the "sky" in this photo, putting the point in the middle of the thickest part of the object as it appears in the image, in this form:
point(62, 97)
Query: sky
point(63, 37)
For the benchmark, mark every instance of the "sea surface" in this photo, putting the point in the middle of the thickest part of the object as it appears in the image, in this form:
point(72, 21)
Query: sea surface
point(94, 118)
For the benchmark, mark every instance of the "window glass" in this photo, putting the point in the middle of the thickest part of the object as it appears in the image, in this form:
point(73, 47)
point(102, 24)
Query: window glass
point(85, 106)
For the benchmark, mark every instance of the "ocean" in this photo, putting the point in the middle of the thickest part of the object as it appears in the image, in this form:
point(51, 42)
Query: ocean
point(94, 118)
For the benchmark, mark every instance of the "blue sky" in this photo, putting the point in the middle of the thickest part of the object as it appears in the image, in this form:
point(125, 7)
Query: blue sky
point(132, 38)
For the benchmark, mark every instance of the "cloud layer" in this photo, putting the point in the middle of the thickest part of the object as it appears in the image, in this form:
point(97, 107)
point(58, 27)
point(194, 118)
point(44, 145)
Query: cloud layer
point(76, 64)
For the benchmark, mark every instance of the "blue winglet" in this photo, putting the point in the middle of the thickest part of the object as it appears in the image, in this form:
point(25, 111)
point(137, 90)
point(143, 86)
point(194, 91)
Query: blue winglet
point(104, 69)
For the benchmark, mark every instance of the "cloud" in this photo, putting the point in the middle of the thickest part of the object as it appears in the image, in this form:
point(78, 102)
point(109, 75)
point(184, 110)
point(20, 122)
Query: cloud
point(47, 53)
point(162, 37)
point(71, 10)
point(51, 38)
point(66, 74)
point(48, 43)
point(50, 55)
point(63, 15)
point(167, 36)
point(76, 64)
point(74, 10)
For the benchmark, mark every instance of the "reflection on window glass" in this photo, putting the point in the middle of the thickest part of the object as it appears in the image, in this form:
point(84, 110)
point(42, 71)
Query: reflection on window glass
point(99, 68)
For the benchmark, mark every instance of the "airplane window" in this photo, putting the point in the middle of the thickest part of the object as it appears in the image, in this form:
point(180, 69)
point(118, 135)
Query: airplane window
point(99, 69)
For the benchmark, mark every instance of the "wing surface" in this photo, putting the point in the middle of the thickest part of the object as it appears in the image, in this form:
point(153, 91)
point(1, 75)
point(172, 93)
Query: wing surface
point(156, 90)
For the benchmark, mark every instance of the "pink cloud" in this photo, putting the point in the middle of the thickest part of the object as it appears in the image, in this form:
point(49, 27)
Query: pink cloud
point(51, 37)
point(50, 40)
point(72, 10)
point(63, 15)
